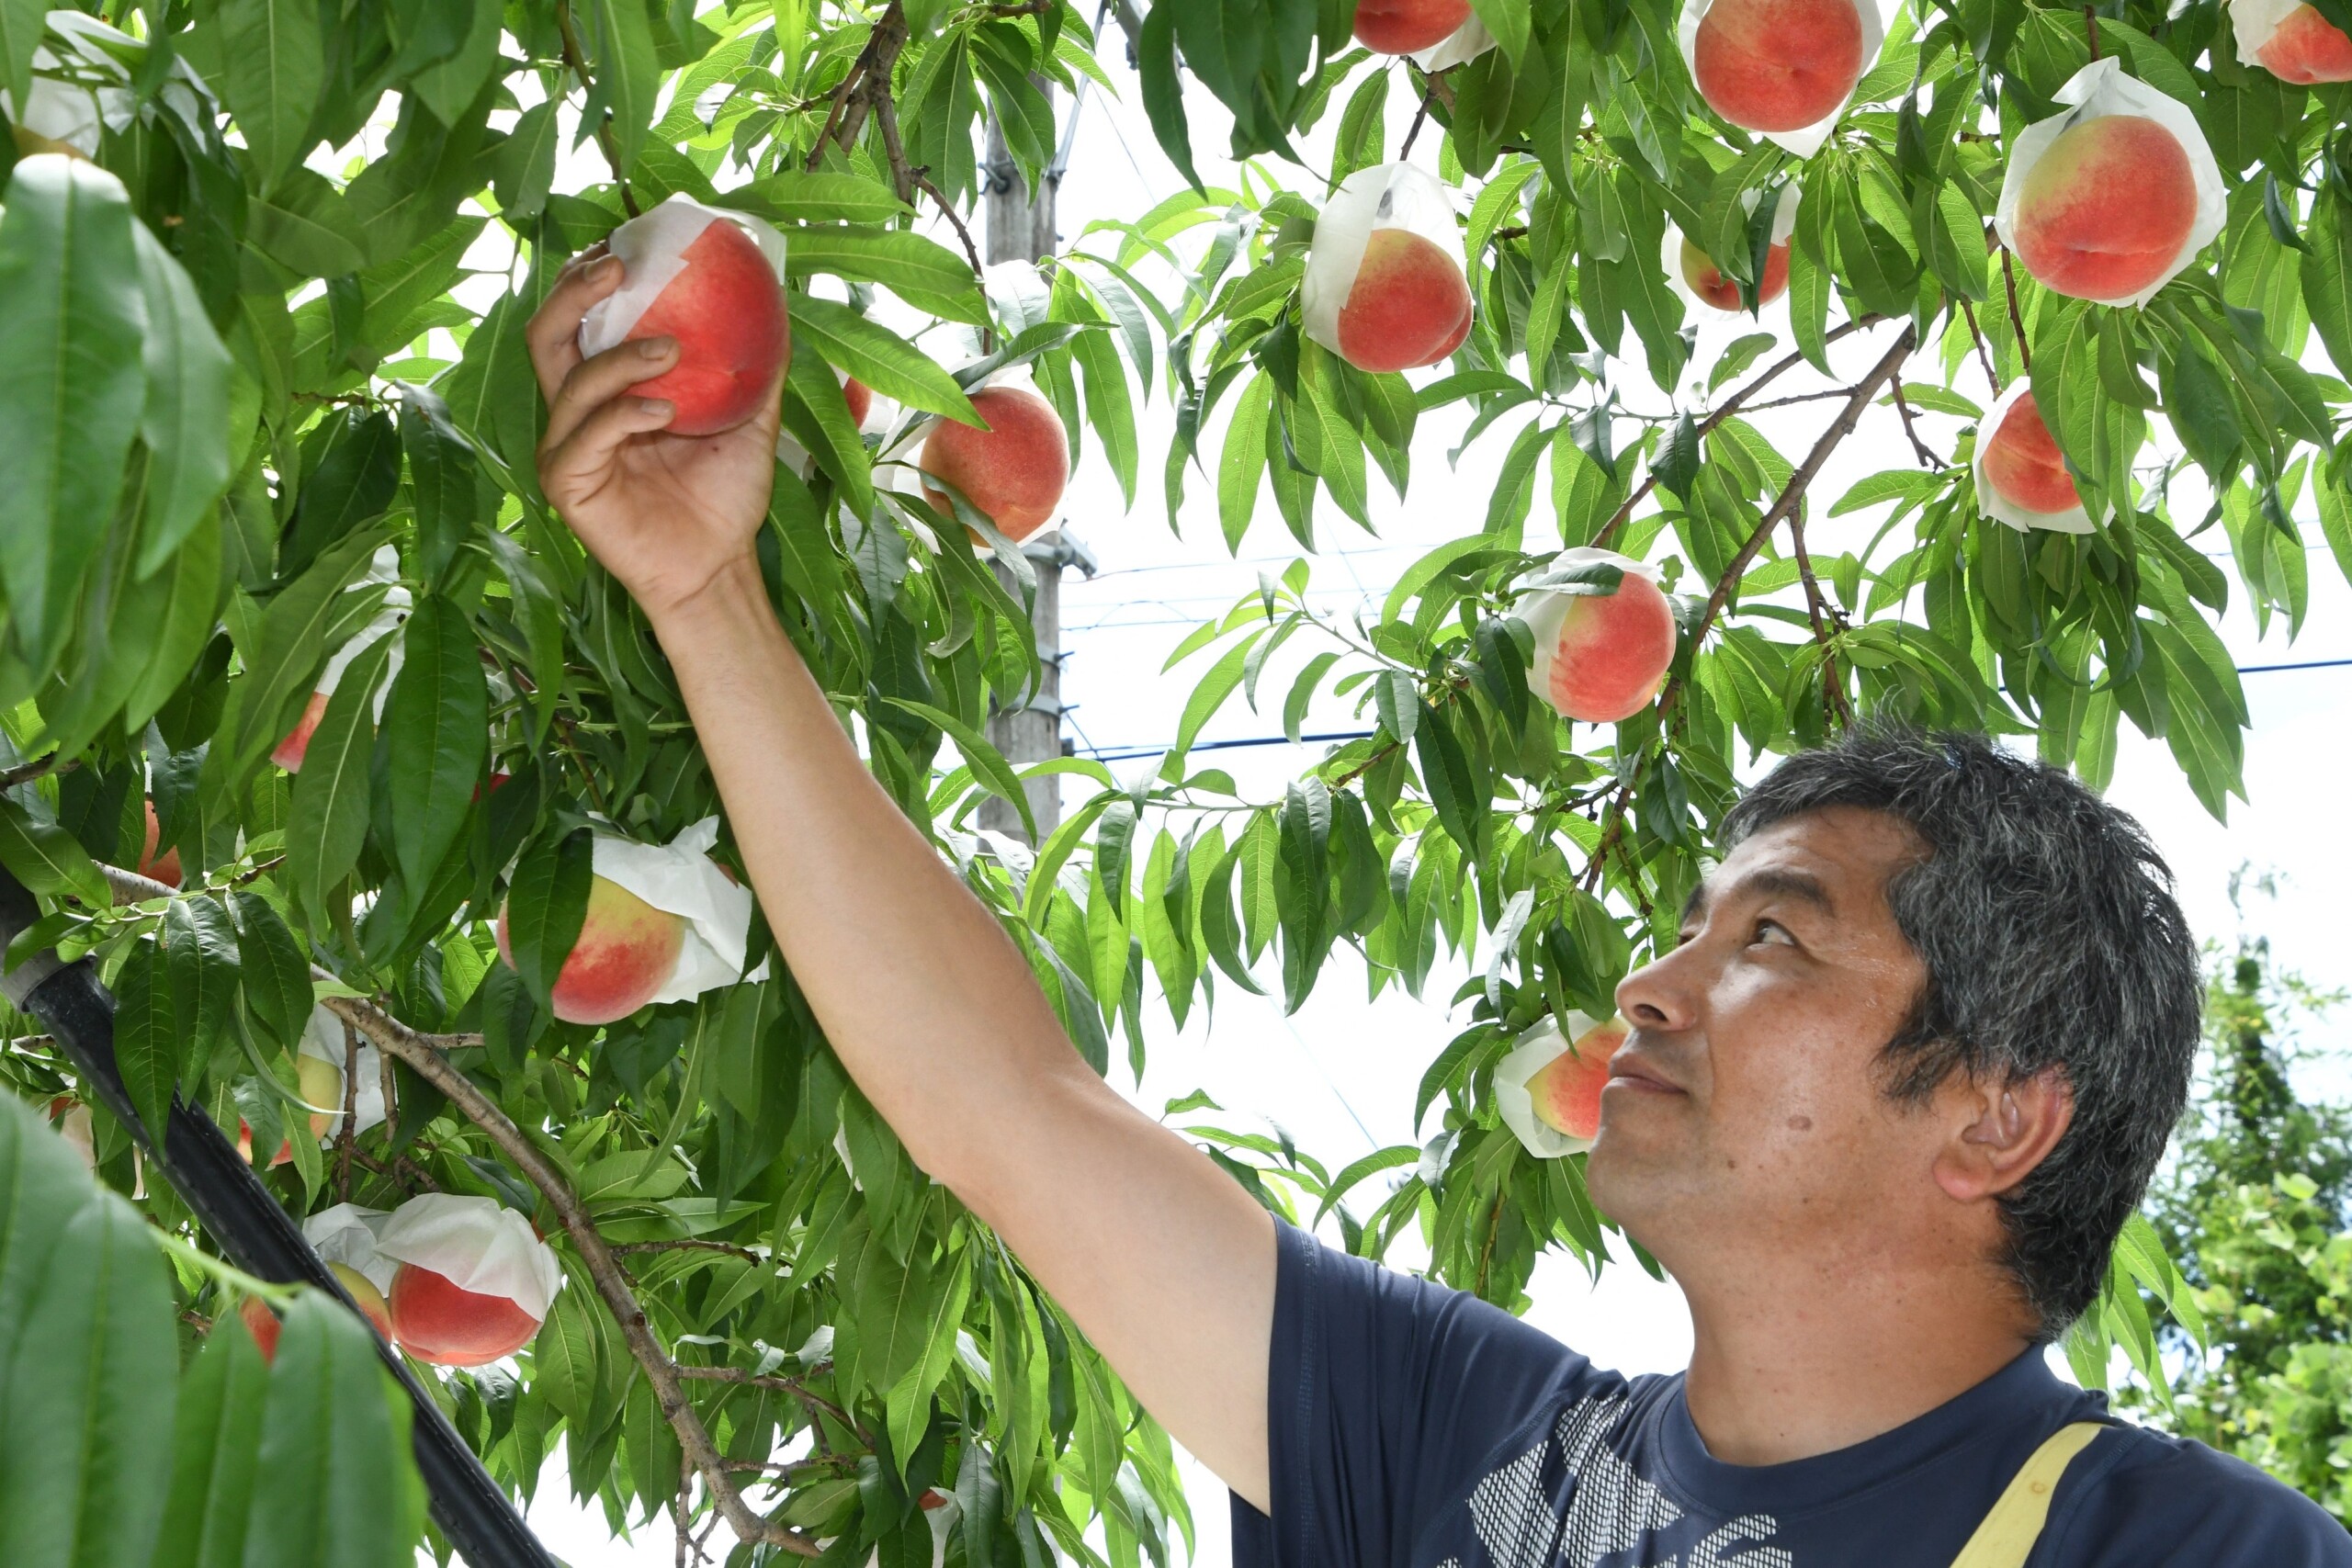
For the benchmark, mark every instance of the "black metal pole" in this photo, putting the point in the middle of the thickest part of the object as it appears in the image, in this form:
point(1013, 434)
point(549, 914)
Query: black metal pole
point(228, 1200)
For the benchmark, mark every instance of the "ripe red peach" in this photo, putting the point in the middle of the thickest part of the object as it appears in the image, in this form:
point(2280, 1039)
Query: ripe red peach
point(2106, 208)
point(1709, 283)
point(1405, 27)
point(2307, 48)
point(625, 951)
point(2023, 464)
point(437, 1321)
point(1777, 65)
point(726, 311)
point(1409, 304)
point(288, 753)
point(1014, 471)
point(1567, 1090)
point(164, 868)
point(860, 399)
point(1602, 658)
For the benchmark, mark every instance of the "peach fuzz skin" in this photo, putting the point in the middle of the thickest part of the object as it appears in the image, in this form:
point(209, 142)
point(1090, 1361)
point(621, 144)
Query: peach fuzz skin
point(726, 311)
point(436, 1321)
point(164, 868)
point(1708, 282)
point(1777, 64)
point(1613, 652)
point(288, 753)
point(2023, 463)
point(860, 399)
point(626, 949)
point(1014, 471)
point(2106, 208)
point(2307, 50)
point(1409, 304)
point(1567, 1090)
point(1402, 26)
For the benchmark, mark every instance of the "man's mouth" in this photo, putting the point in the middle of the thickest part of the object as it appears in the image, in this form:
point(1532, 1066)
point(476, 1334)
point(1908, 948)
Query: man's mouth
point(1638, 1076)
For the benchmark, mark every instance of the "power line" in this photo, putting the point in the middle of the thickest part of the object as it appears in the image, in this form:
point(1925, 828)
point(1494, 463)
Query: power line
point(2308, 664)
point(1127, 753)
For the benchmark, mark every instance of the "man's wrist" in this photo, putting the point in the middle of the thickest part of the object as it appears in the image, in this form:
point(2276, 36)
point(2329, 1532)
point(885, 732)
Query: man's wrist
point(730, 597)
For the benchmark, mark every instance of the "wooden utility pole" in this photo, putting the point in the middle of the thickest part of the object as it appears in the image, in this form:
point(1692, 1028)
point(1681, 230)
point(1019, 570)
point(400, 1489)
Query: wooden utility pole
point(1021, 228)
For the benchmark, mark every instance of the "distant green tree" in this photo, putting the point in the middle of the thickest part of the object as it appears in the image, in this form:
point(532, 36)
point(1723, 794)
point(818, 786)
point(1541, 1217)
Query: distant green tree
point(2259, 1211)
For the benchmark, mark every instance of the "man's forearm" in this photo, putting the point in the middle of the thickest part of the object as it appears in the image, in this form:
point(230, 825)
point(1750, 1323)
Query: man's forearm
point(907, 971)
point(1163, 1261)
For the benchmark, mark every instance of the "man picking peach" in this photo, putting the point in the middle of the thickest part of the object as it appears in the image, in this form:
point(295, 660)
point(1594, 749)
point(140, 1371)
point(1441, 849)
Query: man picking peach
point(1881, 1113)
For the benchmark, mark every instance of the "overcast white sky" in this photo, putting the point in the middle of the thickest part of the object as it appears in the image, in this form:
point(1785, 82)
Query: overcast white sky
point(1340, 1074)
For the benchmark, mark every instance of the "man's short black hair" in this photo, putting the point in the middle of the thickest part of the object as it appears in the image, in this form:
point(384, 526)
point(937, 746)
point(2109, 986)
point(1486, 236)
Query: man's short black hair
point(2052, 938)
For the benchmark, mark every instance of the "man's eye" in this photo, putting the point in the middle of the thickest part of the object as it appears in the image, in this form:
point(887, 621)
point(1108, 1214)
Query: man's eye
point(1772, 931)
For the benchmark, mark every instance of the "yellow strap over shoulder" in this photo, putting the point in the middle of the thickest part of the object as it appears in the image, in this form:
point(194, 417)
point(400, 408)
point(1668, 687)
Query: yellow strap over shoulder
point(2007, 1537)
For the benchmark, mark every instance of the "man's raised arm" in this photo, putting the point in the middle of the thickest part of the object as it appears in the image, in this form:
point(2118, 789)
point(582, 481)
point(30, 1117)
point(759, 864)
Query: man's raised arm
point(1163, 1260)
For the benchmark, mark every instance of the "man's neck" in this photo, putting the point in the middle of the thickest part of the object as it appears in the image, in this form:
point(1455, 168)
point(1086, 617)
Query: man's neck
point(1782, 1369)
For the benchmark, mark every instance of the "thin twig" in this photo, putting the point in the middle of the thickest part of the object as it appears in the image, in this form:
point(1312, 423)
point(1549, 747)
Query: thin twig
point(1926, 453)
point(423, 1053)
point(2017, 317)
point(792, 1386)
point(576, 59)
point(1983, 356)
point(687, 1243)
point(1730, 406)
point(2090, 25)
point(344, 1137)
point(1793, 397)
point(947, 210)
point(1818, 611)
point(1793, 493)
point(1429, 92)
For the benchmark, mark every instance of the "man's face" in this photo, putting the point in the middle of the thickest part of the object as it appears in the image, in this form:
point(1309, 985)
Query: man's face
point(1745, 1112)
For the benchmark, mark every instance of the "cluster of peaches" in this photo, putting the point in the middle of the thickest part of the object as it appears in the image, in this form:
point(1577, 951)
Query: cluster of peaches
point(2105, 209)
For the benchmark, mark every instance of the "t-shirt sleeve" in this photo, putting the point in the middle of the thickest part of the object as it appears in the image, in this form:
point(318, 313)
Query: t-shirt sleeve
point(1387, 1395)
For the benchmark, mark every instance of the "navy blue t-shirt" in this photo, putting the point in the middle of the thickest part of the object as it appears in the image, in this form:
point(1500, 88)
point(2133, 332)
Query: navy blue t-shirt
point(1414, 1426)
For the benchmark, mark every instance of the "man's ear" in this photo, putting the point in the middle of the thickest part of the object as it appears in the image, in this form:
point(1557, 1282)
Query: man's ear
point(2004, 1131)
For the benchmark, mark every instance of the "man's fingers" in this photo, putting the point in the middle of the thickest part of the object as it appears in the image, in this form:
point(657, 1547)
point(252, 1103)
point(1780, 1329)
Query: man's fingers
point(595, 382)
point(553, 336)
point(591, 447)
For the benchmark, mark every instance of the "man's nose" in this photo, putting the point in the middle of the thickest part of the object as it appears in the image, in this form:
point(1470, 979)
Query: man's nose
point(1662, 995)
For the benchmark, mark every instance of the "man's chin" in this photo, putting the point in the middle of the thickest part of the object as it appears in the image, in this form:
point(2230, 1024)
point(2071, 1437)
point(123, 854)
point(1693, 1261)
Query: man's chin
point(1629, 1169)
